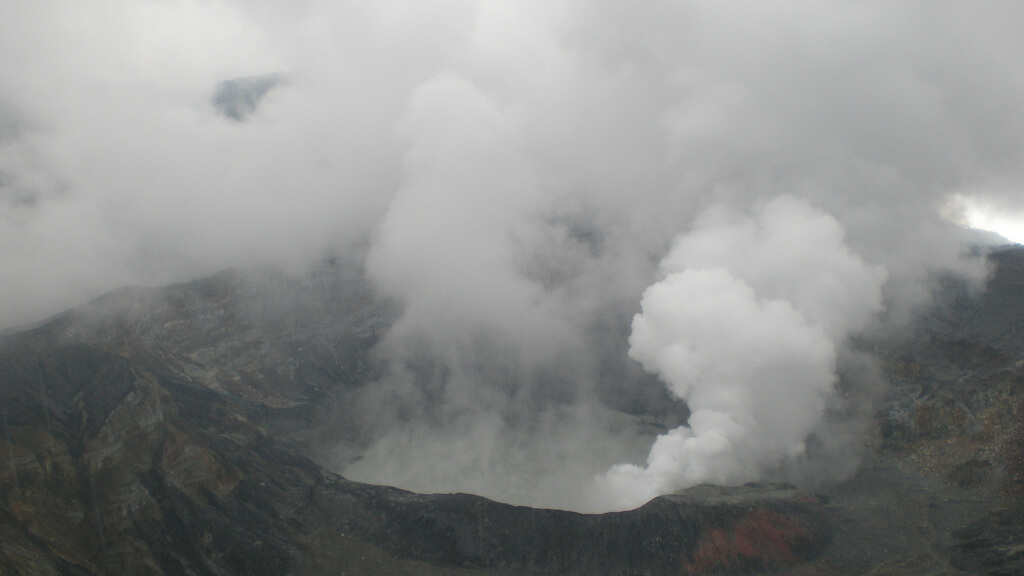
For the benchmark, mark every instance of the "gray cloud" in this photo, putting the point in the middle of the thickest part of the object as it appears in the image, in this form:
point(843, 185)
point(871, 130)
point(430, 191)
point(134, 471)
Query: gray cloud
point(238, 98)
point(518, 168)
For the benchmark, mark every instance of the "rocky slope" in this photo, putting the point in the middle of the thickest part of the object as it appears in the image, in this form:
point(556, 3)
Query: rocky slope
point(166, 432)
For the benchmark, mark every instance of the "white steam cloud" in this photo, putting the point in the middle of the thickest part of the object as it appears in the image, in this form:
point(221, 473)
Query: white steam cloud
point(515, 170)
point(745, 328)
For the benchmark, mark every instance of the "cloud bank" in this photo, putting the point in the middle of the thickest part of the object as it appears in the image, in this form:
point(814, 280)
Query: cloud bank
point(516, 171)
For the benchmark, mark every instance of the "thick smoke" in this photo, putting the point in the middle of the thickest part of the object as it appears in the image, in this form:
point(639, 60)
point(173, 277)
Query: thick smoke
point(745, 327)
point(516, 171)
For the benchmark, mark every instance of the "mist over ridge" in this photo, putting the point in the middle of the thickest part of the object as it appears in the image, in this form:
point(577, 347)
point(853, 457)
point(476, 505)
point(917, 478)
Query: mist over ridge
point(521, 176)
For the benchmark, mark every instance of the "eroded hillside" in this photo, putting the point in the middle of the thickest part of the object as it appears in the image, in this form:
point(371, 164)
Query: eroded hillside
point(175, 431)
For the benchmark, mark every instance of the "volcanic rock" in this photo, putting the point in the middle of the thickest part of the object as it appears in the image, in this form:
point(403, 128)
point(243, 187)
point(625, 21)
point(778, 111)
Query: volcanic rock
point(173, 431)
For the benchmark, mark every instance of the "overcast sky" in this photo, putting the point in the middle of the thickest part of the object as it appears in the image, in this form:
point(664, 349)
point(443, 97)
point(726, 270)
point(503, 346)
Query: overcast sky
point(117, 165)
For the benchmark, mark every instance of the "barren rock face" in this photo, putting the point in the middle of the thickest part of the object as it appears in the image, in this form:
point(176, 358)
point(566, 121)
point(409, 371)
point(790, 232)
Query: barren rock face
point(161, 475)
point(166, 431)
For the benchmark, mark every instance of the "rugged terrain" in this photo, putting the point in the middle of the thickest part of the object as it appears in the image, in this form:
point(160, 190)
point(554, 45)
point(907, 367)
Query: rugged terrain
point(173, 431)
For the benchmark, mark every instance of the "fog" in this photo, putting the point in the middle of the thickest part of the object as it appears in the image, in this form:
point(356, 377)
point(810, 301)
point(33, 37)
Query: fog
point(756, 183)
